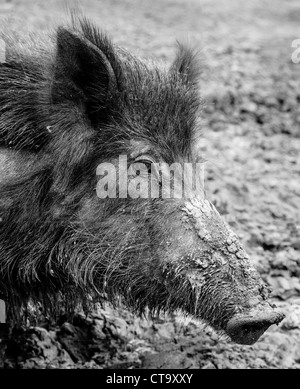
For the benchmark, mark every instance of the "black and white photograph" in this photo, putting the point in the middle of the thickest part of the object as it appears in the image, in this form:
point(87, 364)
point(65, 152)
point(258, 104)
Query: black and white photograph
point(149, 187)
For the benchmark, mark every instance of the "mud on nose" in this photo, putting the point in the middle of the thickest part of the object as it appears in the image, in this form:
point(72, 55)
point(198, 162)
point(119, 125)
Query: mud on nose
point(248, 329)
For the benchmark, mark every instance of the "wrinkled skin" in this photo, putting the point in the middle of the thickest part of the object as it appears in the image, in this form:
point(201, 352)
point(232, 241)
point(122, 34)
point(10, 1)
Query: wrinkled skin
point(60, 243)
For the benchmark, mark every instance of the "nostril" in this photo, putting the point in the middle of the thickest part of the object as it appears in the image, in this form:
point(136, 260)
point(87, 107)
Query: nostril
point(249, 333)
point(254, 326)
point(247, 330)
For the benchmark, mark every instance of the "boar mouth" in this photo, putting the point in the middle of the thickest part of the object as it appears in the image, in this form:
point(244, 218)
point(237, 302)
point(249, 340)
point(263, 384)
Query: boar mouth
point(247, 329)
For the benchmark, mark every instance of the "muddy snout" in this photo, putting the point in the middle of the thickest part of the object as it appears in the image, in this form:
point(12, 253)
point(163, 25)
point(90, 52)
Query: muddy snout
point(247, 329)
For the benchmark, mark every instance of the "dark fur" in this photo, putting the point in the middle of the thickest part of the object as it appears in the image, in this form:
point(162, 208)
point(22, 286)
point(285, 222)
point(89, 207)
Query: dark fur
point(71, 106)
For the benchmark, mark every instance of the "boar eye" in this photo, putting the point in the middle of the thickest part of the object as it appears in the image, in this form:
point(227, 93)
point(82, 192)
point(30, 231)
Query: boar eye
point(153, 167)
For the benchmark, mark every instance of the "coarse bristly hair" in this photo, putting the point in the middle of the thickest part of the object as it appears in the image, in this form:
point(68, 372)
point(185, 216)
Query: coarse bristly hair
point(70, 104)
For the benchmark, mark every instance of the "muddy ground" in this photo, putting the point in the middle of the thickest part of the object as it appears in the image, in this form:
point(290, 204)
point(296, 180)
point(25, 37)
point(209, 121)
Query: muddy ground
point(251, 140)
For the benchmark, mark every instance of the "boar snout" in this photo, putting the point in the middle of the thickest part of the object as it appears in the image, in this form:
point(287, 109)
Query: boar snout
point(247, 328)
point(231, 294)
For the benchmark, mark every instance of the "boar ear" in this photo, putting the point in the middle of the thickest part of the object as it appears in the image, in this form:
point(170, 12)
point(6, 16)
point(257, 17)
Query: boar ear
point(83, 73)
point(187, 64)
